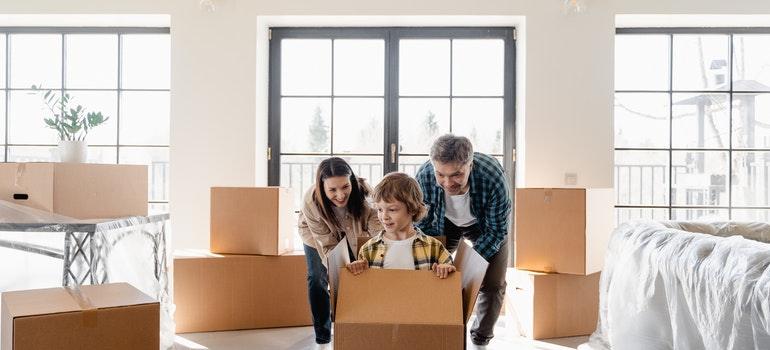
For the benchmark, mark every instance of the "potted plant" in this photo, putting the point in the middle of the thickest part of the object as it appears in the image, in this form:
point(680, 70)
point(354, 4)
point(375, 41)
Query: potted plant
point(72, 124)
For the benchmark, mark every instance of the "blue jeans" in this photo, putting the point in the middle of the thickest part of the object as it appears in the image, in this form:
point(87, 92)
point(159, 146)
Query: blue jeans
point(318, 294)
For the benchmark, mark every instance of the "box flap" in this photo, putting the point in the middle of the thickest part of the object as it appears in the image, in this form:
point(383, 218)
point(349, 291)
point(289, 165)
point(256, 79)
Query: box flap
point(115, 295)
point(473, 268)
point(399, 297)
point(58, 300)
point(203, 253)
point(38, 302)
point(337, 259)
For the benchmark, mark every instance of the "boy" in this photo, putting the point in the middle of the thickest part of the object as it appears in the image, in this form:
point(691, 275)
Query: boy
point(401, 245)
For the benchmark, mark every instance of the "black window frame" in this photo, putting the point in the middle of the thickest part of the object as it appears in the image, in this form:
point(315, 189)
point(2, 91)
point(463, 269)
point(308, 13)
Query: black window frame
point(64, 31)
point(391, 36)
point(671, 32)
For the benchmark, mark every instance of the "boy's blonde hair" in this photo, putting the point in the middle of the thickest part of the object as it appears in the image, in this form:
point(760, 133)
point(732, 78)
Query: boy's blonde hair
point(403, 188)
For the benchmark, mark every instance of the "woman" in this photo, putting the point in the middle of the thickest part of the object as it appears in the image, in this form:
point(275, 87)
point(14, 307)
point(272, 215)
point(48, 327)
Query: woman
point(334, 207)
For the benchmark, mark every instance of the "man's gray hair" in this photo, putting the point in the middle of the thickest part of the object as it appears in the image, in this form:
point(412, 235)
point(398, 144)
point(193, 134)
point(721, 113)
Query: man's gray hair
point(449, 148)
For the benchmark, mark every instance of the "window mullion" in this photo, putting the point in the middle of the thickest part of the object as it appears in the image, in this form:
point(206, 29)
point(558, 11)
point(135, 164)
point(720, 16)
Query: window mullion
point(391, 101)
point(729, 181)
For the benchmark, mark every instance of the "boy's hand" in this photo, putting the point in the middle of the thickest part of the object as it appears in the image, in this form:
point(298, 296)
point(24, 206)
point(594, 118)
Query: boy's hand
point(358, 266)
point(443, 270)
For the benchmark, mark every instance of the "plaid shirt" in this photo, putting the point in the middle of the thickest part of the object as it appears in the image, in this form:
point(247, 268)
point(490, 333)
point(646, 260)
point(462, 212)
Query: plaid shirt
point(425, 249)
point(490, 202)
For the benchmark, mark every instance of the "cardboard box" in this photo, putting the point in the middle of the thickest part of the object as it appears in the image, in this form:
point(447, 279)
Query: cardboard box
point(553, 305)
point(108, 316)
point(252, 220)
point(82, 191)
point(563, 230)
point(215, 292)
point(407, 309)
point(399, 309)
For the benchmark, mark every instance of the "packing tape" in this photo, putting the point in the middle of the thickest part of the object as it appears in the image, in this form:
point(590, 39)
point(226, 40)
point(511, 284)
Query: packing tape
point(88, 310)
point(548, 195)
point(20, 169)
point(394, 334)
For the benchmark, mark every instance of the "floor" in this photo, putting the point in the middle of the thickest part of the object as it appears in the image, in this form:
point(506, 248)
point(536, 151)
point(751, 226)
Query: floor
point(302, 338)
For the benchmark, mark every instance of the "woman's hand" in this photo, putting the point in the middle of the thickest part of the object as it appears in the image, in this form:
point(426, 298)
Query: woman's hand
point(443, 270)
point(358, 266)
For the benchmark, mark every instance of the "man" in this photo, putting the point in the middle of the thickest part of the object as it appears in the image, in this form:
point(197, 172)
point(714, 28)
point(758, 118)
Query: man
point(468, 197)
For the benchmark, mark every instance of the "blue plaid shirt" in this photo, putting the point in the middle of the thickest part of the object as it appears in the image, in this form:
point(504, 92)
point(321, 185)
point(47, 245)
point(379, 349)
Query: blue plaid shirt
point(490, 202)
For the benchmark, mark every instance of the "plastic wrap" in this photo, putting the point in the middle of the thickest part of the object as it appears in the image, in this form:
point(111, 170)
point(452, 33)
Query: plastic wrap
point(41, 250)
point(665, 288)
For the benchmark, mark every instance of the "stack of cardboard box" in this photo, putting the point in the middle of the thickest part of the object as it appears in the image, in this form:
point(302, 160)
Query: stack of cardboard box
point(251, 278)
point(114, 316)
point(561, 238)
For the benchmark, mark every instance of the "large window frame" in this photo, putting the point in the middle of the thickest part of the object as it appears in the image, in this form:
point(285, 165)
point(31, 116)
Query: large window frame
point(670, 207)
point(391, 36)
point(64, 31)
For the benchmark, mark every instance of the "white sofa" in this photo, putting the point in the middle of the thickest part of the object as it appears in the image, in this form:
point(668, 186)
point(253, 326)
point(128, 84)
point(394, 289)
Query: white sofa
point(685, 285)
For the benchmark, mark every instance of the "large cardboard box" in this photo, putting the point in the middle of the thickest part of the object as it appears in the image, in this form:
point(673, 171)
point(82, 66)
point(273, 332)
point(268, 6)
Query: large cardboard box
point(82, 191)
point(109, 316)
point(552, 305)
point(252, 220)
point(407, 309)
point(563, 230)
point(399, 309)
point(214, 292)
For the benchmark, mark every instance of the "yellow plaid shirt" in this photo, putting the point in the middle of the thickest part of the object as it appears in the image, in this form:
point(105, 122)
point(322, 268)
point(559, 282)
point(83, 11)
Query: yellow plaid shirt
point(425, 249)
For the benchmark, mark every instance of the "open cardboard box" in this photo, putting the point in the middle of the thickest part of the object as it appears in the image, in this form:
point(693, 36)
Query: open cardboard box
point(399, 309)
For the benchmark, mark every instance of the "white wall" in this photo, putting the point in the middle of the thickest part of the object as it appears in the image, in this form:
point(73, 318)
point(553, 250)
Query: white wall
point(218, 109)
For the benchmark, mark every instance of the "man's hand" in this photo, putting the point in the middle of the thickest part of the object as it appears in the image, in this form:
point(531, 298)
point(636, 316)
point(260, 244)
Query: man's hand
point(443, 270)
point(358, 266)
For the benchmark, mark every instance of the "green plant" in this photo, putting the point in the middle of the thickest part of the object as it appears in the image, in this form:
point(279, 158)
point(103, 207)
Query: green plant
point(72, 124)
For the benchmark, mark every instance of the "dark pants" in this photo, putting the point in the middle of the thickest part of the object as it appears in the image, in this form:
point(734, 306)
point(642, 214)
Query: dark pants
point(318, 294)
point(492, 292)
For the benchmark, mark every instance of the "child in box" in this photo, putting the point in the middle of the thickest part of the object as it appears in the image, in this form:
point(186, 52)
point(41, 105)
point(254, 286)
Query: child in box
point(401, 245)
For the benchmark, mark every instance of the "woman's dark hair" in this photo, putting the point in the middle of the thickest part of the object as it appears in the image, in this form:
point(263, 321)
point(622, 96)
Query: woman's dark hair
point(333, 167)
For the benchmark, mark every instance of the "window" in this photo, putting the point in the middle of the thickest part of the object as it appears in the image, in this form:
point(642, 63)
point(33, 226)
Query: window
point(692, 124)
point(122, 72)
point(379, 96)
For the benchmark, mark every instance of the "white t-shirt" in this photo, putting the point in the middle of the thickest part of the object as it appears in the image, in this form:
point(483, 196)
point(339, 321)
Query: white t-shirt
point(398, 254)
point(458, 209)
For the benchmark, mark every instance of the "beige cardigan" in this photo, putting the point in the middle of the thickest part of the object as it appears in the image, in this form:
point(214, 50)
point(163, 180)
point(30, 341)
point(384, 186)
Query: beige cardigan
point(318, 233)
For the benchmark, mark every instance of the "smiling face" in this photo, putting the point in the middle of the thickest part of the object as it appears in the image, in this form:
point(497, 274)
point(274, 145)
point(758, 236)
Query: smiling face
point(452, 177)
point(337, 189)
point(394, 216)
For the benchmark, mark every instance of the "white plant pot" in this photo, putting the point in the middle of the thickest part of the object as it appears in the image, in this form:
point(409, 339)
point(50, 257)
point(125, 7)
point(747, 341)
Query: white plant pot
point(73, 151)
